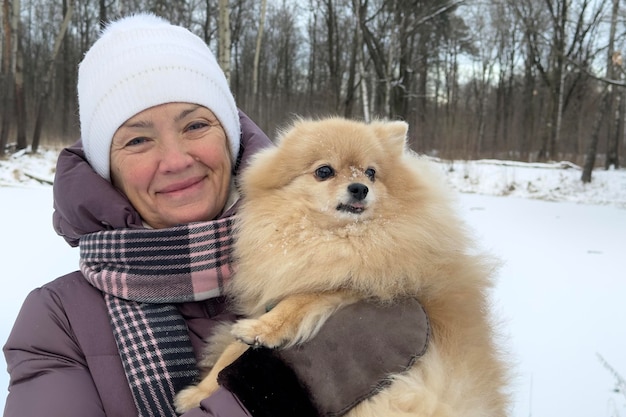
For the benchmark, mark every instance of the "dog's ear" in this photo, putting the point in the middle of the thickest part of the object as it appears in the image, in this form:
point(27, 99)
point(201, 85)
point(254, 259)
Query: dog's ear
point(273, 168)
point(394, 135)
point(262, 173)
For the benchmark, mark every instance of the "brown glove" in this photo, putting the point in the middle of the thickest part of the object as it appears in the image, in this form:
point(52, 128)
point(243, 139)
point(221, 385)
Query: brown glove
point(347, 362)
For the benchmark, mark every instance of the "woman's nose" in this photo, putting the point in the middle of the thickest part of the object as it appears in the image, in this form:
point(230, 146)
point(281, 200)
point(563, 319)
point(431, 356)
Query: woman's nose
point(174, 155)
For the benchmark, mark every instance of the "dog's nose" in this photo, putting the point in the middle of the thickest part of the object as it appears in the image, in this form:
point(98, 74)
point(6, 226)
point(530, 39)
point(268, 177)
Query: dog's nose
point(358, 190)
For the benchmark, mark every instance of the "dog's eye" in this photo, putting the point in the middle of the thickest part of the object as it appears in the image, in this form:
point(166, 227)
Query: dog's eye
point(324, 172)
point(371, 173)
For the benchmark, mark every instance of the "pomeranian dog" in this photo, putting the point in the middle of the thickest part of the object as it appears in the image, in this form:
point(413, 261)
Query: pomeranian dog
point(340, 211)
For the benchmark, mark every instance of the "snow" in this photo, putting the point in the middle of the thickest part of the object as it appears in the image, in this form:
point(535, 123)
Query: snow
point(559, 295)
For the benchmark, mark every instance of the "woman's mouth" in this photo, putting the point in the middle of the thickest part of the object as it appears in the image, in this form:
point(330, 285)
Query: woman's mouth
point(180, 187)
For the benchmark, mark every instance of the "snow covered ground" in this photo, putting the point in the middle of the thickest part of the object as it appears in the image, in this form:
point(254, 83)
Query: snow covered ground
point(560, 294)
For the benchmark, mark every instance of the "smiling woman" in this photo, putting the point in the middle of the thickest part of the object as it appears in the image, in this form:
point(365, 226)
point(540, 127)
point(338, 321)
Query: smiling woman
point(172, 162)
point(146, 195)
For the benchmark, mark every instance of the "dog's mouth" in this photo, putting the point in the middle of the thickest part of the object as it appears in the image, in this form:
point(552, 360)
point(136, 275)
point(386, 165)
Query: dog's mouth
point(354, 208)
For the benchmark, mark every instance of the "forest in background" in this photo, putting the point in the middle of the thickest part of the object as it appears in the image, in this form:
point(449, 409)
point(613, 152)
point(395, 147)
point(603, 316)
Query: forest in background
point(528, 80)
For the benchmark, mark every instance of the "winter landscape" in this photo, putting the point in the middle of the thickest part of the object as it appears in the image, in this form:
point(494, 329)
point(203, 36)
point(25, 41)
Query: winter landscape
point(559, 295)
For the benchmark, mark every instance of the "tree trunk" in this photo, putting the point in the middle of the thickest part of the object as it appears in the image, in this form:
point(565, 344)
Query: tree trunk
point(312, 73)
point(67, 84)
point(557, 117)
point(48, 77)
point(528, 113)
point(377, 57)
point(257, 56)
point(223, 51)
point(18, 79)
point(590, 156)
point(365, 98)
point(352, 68)
point(333, 54)
point(103, 14)
point(20, 101)
point(389, 62)
point(613, 151)
point(617, 125)
point(358, 10)
point(6, 75)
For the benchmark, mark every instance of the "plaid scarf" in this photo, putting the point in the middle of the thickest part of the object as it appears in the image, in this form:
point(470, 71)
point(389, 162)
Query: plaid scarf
point(142, 273)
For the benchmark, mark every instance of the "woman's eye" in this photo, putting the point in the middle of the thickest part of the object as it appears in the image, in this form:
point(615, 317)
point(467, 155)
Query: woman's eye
point(136, 141)
point(197, 125)
point(324, 172)
point(371, 173)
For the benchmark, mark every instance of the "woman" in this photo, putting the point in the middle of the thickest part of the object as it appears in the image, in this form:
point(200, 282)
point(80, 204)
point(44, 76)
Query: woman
point(148, 196)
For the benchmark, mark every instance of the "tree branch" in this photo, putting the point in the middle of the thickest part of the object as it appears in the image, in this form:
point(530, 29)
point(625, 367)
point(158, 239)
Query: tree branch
point(605, 80)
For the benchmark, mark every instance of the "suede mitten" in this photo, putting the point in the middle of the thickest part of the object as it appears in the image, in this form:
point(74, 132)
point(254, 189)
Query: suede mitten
point(347, 362)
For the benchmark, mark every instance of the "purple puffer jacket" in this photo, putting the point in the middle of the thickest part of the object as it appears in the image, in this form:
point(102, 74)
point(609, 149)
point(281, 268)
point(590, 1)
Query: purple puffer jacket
point(61, 353)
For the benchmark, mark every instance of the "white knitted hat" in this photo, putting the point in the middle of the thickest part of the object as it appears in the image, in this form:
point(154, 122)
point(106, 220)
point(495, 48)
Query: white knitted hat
point(139, 62)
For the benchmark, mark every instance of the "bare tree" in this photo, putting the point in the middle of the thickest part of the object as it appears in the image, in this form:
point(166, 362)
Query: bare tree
point(613, 61)
point(483, 70)
point(616, 127)
point(358, 47)
point(257, 54)
point(48, 77)
point(224, 38)
point(333, 50)
point(7, 75)
point(507, 43)
point(103, 14)
point(20, 105)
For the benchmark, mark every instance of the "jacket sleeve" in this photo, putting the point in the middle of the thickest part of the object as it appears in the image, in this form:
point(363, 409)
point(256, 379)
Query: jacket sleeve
point(48, 372)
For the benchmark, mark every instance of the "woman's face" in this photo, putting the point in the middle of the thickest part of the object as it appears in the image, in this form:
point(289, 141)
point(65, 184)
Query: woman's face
point(173, 163)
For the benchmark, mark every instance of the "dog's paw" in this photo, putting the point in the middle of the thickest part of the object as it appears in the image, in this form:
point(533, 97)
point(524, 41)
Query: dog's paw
point(256, 332)
point(191, 396)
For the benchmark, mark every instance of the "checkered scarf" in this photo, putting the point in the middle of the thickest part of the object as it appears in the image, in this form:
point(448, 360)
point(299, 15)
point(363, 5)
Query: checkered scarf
point(142, 273)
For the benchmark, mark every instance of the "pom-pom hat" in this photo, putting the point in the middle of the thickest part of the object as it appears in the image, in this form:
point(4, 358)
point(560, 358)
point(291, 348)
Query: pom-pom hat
point(139, 62)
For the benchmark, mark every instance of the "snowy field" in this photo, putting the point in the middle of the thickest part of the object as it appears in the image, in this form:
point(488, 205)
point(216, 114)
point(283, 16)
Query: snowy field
point(560, 294)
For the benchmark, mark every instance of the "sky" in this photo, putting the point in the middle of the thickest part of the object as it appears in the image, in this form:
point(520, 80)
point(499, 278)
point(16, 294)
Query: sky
point(559, 296)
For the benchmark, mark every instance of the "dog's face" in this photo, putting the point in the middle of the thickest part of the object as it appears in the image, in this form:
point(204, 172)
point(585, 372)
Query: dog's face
point(344, 190)
point(332, 171)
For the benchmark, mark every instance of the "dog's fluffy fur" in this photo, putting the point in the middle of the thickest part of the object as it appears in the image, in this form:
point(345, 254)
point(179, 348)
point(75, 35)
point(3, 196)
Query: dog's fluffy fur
point(340, 210)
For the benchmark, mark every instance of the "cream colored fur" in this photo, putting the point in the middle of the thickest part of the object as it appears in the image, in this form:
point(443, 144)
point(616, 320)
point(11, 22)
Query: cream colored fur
point(295, 250)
